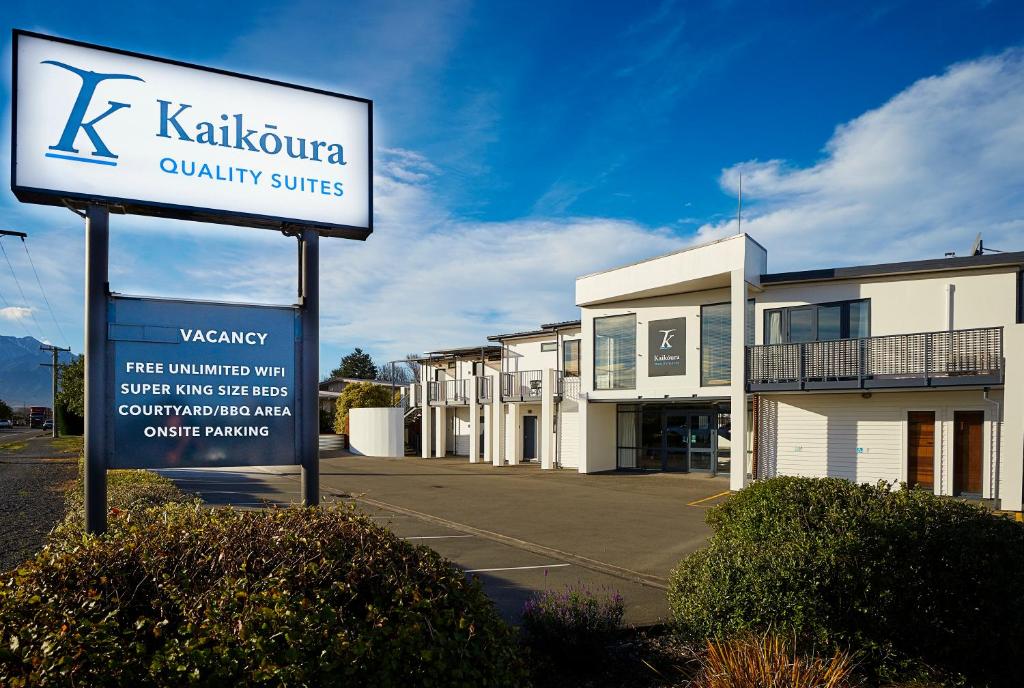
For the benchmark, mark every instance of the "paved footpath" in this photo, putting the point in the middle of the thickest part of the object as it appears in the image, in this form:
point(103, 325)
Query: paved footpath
point(34, 475)
point(518, 528)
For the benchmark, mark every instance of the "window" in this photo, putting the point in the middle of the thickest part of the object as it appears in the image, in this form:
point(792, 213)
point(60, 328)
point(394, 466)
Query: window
point(715, 344)
point(571, 357)
point(818, 323)
point(615, 352)
point(549, 346)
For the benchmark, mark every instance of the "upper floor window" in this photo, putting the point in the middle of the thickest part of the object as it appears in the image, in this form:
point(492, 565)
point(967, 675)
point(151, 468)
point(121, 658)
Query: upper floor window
point(549, 346)
point(571, 357)
point(615, 352)
point(818, 322)
point(715, 344)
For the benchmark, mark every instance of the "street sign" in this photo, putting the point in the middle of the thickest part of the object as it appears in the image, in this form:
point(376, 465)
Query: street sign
point(195, 384)
point(167, 138)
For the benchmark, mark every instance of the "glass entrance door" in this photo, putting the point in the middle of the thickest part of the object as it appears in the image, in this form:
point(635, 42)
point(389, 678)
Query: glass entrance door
point(676, 435)
point(700, 441)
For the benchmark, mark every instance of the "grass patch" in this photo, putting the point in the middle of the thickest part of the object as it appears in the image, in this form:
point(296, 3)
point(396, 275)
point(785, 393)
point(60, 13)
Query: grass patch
point(12, 447)
point(70, 444)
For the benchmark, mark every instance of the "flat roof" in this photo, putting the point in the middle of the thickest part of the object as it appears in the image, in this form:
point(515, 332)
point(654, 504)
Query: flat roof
point(685, 249)
point(1011, 259)
point(488, 350)
point(562, 325)
point(517, 335)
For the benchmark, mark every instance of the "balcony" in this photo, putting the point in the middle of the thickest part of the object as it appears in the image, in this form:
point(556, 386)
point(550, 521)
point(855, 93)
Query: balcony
point(526, 385)
point(447, 393)
point(924, 359)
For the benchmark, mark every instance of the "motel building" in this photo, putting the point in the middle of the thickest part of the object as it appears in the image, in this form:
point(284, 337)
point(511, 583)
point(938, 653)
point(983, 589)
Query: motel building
point(702, 361)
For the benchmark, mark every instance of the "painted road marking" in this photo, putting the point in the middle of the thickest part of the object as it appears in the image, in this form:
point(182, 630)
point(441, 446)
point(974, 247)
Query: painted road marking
point(706, 499)
point(518, 568)
point(436, 537)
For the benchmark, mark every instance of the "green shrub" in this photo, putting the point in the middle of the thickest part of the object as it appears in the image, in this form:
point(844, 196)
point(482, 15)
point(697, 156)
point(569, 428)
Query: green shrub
point(127, 490)
point(184, 595)
point(907, 581)
point(571, 625)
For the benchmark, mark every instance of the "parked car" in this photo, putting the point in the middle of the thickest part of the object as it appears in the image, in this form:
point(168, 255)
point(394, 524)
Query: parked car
point(4, 423)
point(47, 425)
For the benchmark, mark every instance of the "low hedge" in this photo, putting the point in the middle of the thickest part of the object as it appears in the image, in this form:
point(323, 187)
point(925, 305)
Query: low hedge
point(184, 595)
point(914, 585)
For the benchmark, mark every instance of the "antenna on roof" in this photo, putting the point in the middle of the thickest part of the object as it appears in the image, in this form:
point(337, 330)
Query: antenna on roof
point(739, 207)
point(979, 246)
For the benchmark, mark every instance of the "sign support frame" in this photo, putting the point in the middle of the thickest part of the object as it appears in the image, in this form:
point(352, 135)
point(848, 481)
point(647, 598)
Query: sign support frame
point(97, 348)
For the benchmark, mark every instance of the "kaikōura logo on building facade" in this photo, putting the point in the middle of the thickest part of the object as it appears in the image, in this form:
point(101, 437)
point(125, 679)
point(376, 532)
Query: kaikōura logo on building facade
point(76, 122)
point(666, 338)
point(666, 343)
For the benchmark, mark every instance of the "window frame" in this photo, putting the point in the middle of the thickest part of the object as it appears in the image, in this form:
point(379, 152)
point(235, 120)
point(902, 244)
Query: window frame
point(579, 348)
point(547, 347)
point(595, 350)
point(785, 312)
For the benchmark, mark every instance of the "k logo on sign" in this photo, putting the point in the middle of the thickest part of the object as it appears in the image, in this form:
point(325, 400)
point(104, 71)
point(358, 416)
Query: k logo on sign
point(666, 338)
point(101, 154)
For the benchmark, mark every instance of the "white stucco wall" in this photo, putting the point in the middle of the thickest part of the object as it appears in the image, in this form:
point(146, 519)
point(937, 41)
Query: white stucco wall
point(376, 432)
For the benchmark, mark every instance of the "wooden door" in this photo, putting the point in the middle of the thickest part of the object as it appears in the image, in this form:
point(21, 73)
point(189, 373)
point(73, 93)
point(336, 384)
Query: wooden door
point(921, 449)
point(967, 451)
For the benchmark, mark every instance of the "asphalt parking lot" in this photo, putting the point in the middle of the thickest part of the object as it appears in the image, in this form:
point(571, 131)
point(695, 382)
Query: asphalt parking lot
point(518, 528)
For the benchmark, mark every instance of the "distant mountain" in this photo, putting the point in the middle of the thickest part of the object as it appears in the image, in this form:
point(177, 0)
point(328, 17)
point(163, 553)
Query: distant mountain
point(22, 380)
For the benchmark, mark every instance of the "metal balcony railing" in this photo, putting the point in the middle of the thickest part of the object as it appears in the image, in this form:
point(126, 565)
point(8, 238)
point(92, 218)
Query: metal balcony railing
point(526, 385)
point(483, 390)
point(455, 393)
point(951, 357)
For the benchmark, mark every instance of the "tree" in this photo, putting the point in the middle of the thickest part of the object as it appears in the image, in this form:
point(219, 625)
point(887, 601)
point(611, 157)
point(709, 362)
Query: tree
point(6, 412)
point(360, 395)
point(71, 392)
point(357, 364)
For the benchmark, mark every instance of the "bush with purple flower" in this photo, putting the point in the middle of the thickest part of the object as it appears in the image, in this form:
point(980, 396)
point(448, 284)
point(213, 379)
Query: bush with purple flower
point(573, 622)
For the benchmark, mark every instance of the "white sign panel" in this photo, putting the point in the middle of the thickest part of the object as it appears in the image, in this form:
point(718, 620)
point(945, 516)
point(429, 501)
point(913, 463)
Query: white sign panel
point(165, 138)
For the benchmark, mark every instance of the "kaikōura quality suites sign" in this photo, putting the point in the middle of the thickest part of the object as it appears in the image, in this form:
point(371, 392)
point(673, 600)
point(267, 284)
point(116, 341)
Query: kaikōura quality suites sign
point(160, 137)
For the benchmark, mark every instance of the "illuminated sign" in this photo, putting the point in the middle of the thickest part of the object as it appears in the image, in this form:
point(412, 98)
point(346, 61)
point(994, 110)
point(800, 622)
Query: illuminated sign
point(160, 137)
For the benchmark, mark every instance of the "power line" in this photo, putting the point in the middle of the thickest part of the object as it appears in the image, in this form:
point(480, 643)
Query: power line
point(22, 291)
point(43, 292)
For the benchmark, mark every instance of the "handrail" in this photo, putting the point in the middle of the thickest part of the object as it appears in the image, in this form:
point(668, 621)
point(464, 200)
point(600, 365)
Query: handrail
point(923, 357)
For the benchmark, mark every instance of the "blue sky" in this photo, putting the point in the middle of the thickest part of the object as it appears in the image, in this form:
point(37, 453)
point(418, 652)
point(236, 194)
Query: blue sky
point(521, 144)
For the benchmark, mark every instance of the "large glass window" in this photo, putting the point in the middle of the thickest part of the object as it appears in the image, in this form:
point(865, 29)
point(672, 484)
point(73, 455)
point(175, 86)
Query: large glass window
point(571, 358)
point(715, 344)
point(615, 352)
point(818, 323)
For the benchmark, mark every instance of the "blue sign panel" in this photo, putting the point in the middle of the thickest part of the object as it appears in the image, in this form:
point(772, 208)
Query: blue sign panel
point(202, 384)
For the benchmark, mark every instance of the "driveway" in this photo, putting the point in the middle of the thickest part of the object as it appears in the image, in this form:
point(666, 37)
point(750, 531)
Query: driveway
point(517, 527)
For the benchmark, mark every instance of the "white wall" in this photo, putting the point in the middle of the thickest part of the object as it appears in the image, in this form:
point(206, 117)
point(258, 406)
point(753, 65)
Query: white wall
point(981, 298)
point(598, 437)
point(568, 435)
point(864, 440)
point(376, 432)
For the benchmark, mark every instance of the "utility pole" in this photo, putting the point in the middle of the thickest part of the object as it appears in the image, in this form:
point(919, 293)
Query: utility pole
point(54, 350)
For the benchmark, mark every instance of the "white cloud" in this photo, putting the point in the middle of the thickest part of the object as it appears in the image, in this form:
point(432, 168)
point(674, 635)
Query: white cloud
point(15, 313)
point(916, 177)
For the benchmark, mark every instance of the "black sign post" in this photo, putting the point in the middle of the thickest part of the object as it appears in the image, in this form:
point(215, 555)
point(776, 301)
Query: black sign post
point(310, 373)
point(97, 241)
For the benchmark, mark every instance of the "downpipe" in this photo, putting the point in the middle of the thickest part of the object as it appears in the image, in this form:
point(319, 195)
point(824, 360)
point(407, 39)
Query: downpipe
point(997, 441)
